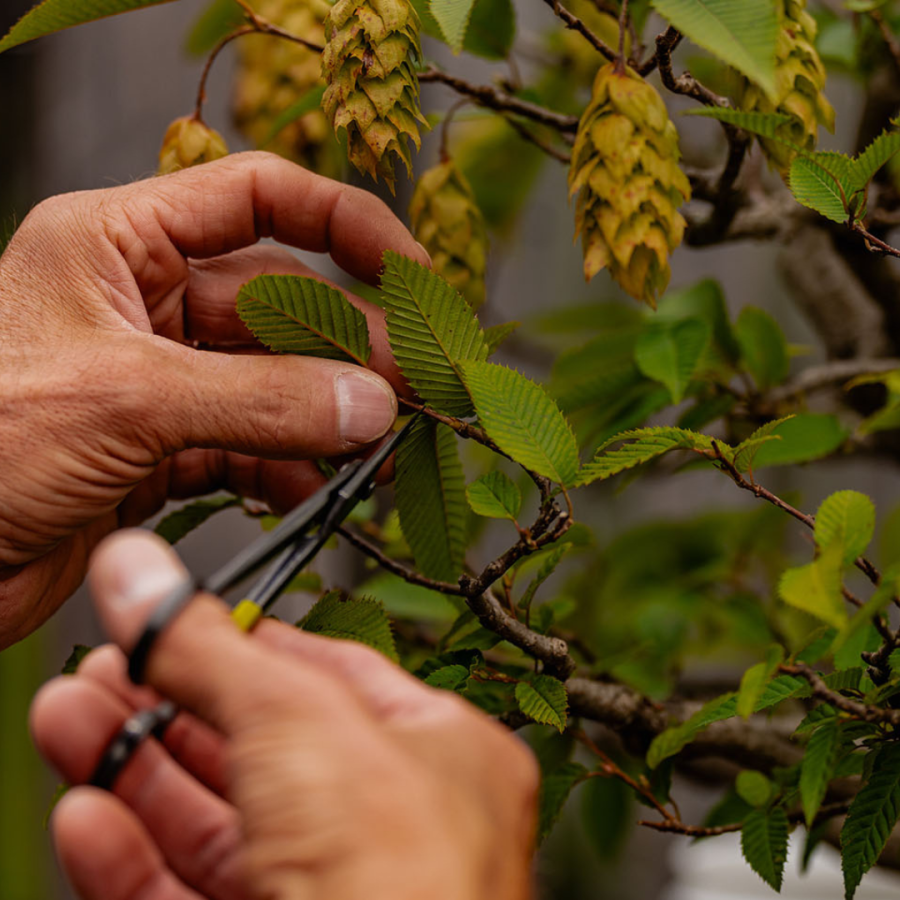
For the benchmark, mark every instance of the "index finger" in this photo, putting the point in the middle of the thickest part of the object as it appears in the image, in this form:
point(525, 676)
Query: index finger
point(234, 202)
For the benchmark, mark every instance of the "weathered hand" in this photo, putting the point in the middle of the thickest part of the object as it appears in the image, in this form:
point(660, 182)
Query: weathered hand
point(305, 767)
point(104, 398)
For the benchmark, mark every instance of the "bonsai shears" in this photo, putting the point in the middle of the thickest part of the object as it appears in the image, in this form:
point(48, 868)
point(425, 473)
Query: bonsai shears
point(289, 548)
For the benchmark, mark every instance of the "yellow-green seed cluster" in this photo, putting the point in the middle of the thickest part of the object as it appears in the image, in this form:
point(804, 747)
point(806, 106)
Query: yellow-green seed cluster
point(273, 75)
point(629, 184)
point(799, 82)
point(189, 142)
point(373, 91)
point(446, 220)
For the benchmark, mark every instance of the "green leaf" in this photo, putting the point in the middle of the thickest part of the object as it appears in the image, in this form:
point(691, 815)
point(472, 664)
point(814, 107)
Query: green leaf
point(556, 786)
point(497, 334)
point(846, 518)
point(742, 34)
point(875, 605)
point(879, 152)
point(745, 452)
point(79, 652)
point(183, 521)
point(816, 188)
point(491, 29)
point(764, 840)
point(311, 100)
point(548, 567)
point(294, 314)
point(814, 718)
point(523, 420)
point(606, 815)
point(431, 500)
point(817, 767)
point(765, 125)
point(220, 18)
point(804, 438)
point(763, 347)
point(754, 681)
point(754, 788)
point(55, 15)
point(453, 18)
point(848, 651)
point(871, 818)
point(363, 620)
point(496, 496)
point(544, 699)
point(704, 300)
point(448, 678)
point(669, 353)
point(639, 446)
point(676, 738)
point(432, 330)
point(816, 588)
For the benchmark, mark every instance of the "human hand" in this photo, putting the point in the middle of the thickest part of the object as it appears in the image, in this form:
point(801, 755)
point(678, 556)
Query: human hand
point(104, 397)
point(304, 768)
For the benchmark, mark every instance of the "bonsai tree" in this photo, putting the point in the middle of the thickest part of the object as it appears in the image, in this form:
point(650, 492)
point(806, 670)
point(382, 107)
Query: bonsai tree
point(563, 631)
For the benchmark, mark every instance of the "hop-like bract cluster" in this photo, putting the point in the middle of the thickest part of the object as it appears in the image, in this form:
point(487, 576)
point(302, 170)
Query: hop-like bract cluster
point(373, 92)
point(629, 184)
point(446, 220)
point(274, 75)
point(799, 80)
point(189, 142)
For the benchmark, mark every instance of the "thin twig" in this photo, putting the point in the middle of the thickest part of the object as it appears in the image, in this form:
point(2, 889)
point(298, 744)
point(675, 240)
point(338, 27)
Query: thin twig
point(890, 38)
point(404, 572)
point(623, 27)
point(494, 98)
point(828, 811)
point(685, 83)
point(204, 76)
point(827, 375)
point(874, 243)
point(864, 565)
point(839, 701)
point(608, 768)
point(538, 141)
point(257, 25)
point(572, 21)
point(669, 39)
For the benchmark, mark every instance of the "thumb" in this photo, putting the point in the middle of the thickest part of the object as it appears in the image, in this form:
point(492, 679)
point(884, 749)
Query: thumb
point(202, 661)
point(274, 406)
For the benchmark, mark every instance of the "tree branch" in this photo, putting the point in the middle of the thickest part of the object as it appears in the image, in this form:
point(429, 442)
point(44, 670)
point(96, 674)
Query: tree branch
point(828, 375)
point(494, 98)
point(838, 700)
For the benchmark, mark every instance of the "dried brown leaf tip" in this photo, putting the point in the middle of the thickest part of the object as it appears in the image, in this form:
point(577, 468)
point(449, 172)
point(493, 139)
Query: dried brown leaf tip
point(629, 184)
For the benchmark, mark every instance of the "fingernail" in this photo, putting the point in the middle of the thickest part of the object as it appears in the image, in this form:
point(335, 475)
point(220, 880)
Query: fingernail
point(426, 255)
point(140, 572)
point(367, 407)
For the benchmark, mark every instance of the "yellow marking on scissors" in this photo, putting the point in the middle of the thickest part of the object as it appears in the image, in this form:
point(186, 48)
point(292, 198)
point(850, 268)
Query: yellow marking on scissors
point(246, 614)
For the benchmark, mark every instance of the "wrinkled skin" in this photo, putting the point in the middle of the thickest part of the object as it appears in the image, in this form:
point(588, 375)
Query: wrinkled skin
point(106, 406)
point(304, 769)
